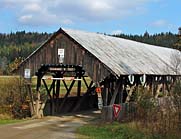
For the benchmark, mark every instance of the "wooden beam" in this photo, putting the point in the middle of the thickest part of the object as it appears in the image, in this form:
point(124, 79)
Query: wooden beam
point(65, 85)
point(105, 92)
point(79, 86)
point(89, 90)
point(85, 82)
point(31, 99)
point(66, 95)
point(46, 87)
point(57, 95)
point(38, 82)
point(52, 100)
point(57, 88)
point(119, 83)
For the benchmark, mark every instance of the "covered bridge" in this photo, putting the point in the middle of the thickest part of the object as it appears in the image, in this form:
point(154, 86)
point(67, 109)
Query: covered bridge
point(114, 64)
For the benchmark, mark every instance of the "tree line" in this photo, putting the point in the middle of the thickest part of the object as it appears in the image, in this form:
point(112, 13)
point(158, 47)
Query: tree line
point(167, 39)
point(14, 47)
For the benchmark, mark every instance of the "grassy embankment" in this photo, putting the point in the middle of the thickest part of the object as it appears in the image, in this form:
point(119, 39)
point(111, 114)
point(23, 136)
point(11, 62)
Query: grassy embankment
point(118, 131)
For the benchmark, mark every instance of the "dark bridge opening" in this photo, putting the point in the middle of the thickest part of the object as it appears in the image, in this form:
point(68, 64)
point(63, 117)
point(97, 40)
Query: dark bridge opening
point(56, 77)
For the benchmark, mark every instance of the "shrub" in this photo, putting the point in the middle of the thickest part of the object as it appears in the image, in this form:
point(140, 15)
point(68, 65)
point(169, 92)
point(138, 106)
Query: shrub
point(161, 116)
point(13, 95)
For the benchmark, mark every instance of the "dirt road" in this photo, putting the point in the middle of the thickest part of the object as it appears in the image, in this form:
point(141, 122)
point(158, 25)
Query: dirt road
point(55, 127)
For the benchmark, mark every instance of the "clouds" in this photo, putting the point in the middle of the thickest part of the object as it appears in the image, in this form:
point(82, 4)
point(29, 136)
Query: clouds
point(159, 23)
point(32, 7)
point(54, 12)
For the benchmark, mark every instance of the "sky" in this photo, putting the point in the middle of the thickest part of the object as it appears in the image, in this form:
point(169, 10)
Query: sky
point(104, 16)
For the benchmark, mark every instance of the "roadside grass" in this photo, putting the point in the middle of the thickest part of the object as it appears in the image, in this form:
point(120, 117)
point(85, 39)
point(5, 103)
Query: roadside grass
point(9, 121)
point(118, 131)
point(62, 87)
point(5, 80)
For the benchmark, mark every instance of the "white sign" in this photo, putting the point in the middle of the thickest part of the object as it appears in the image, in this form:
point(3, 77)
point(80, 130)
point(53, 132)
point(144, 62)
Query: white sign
point(131, 79)
point(61, 55)
point(100, 103)
point(27, 74)
point(143, 79)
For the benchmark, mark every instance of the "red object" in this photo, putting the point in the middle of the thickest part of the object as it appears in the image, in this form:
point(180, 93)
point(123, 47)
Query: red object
point(117, 109)
point(98, 90)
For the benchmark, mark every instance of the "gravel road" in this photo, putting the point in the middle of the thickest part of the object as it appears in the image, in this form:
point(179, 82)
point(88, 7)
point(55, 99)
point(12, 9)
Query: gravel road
point(51, 127)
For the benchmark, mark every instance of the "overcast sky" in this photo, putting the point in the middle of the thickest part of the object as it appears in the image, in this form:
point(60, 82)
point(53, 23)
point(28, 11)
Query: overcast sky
point(106, 16)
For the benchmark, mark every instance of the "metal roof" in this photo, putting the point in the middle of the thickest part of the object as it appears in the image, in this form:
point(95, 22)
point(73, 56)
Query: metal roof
point(124, 56)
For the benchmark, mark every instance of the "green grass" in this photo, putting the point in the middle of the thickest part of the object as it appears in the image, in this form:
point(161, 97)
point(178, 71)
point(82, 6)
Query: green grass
point(117, 131)
point(62, 88)
point(110, 131)
point(7, 81)
point(9, 121)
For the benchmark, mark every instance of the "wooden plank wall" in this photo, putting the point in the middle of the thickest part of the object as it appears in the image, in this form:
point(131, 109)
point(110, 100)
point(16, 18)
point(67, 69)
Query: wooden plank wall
point(74, 54)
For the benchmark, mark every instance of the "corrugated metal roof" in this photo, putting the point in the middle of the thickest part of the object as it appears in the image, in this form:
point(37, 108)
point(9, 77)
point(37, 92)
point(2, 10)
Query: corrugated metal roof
point(125, 56)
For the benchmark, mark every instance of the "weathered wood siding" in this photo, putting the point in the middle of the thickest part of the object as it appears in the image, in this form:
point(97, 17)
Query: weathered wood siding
point(74, 54)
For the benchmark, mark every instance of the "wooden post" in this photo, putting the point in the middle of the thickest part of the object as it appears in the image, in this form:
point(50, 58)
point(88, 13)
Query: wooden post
point(52, 100)
point(79, 86)
point(37, 107)
point(79, 75)
point(105, 92)
point(32, 107)
point(107, 113)
point(57, 89)
point(57, 95)
point(118, 84)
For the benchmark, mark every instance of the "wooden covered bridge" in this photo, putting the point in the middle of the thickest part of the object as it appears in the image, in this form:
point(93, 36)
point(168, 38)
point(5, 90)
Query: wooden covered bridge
point(115, 65)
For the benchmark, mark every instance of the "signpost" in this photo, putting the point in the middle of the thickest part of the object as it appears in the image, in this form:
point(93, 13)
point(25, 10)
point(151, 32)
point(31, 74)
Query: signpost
point(117, 109)
point(100, 102)
point(27, 74)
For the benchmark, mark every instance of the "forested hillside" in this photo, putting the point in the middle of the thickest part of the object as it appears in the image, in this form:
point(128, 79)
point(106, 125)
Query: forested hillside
point(162, 39)
point(14, 47)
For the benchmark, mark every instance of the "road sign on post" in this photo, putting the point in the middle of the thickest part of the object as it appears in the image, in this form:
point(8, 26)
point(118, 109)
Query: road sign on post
point(27, 74)
point(61, 55)
point(100, 102)
point(117, 109)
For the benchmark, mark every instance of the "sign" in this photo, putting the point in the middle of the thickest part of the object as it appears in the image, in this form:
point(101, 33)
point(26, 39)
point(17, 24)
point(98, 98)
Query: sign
point(117, 109)
point(27, 74)
point(131, 79)
point(100, 102)
point(98, 90)
point(143, 79)
point(61, 55)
